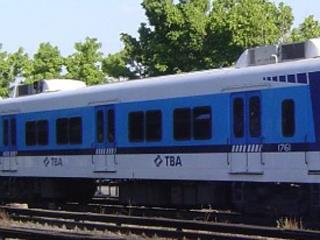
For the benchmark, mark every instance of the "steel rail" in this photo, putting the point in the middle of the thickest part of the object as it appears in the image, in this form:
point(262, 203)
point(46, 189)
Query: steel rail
point(190, 214)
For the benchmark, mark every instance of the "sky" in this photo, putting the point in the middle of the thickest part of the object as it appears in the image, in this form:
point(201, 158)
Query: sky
point(27, 23)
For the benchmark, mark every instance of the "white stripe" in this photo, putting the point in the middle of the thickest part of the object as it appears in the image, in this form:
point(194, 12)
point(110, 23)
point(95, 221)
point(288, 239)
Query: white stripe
point(260, 148)
point(255, 148)
point(233, 148)
point(250, 148)
point(244, 148)
point(237, 148)
point(240, 148)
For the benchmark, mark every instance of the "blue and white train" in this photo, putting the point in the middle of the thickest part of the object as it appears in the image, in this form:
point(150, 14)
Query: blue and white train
point(235, 136)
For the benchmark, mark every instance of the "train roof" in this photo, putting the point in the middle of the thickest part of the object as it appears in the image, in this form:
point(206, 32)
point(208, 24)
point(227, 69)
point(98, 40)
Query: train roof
point(179, 85)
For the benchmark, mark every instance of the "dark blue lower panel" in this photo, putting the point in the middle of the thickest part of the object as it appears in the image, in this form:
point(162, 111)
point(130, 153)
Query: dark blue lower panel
point(296, 147)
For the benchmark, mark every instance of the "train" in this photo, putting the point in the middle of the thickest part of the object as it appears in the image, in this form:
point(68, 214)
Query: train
point(246, 136)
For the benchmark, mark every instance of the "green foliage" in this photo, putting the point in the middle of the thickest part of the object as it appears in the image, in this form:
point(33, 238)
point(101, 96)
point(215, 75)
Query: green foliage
point(174, 40)
point(4, 73)
point(12, 66)
point(46, 64)
point(310, 28)
point(85, 63)
point(236, 25)
point(19, 64)
point(193, 35)
point(114, 65)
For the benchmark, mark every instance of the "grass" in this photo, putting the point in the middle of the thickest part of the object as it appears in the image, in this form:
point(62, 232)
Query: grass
point(4, 219)
point(290, 223)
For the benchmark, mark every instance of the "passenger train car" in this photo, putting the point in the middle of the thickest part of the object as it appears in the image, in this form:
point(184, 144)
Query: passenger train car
point(239, 136)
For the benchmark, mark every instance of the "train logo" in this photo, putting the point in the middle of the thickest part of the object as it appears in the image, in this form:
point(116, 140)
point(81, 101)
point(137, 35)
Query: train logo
point(168, 161)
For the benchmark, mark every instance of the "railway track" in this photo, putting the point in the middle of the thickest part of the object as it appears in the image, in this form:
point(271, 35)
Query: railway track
point(107, 206)
point(161, 227)
point(189, 214)
point(173, 213)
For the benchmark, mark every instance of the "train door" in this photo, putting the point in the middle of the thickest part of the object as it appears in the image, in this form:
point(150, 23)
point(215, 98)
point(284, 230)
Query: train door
point(9, 142)
point(104, 159)
point(246, 137)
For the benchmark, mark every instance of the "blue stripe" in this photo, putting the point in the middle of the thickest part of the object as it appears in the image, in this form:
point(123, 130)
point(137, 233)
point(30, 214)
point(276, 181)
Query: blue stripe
point(58, 152)
point(296, 147)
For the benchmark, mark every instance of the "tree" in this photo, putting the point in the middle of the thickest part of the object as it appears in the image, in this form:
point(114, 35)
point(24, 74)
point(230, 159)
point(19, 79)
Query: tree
point(236, 25)
point(19, 64)
point(173, 40)
point(46, 64)
point(85, 63)
point(310, 28)
point(4, 73)
point(194, 34)
point(11, 66)
point(114, 65)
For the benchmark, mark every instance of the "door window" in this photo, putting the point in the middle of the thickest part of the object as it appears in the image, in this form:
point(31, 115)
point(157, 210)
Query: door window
point(238, 117)
point(255, 116)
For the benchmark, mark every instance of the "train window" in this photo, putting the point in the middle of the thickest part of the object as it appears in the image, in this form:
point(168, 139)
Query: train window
point(182, 123)
point(75, 130)
point(291, 78)
point(153, 125)
point(13, 132)
point(111, 126)
point(62, 131)
point(36, 133)
point(302, 78)
point(69, 130)
point(42, 132)
point(202, 123)
point(282, 78)
point(100, 126)
point(5, 128)
point(30, 136)
point(288, 118)
point(136, 126)
point(255, 116)
point(238, 117)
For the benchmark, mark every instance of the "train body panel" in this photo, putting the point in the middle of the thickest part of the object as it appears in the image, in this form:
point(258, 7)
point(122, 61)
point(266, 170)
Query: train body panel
point(256, 124)
point(295, 167)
